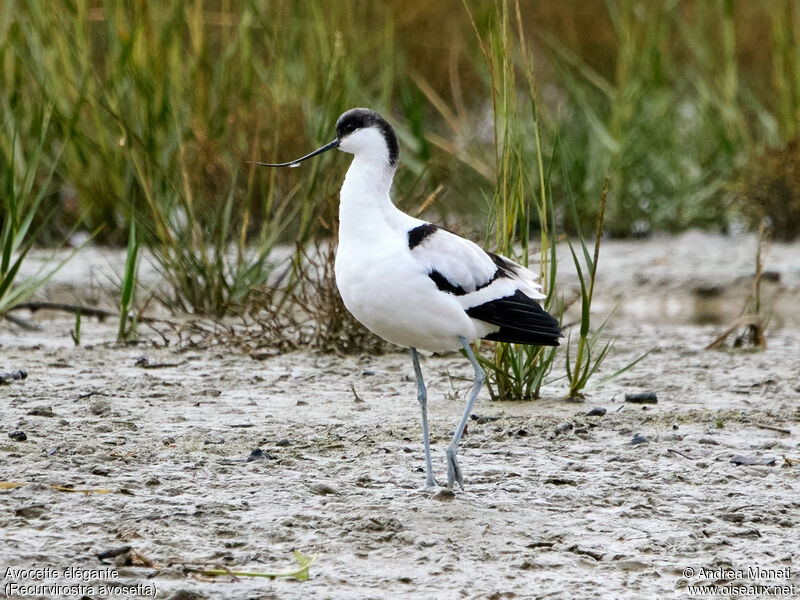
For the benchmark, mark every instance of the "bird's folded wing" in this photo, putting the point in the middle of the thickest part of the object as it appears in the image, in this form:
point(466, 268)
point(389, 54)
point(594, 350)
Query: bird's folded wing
point(461, 267)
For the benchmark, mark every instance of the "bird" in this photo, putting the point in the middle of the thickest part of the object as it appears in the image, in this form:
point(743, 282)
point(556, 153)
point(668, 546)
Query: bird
point(416, 284)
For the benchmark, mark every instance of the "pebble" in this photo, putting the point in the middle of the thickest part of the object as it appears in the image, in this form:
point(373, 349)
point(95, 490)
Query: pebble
point(323, 489)
point(563, 427)
point(259, 454)
point(283, 443)
point(483, 419)
point(597, 411)
point(556, 480)
point(42, 411)
point(100, 408)
point(33, 511)
point(642, 398)
point(750, 460)
point(639, 439)
point(13, 376)
point(18, 436)
point(112, 552)
point(708, 442)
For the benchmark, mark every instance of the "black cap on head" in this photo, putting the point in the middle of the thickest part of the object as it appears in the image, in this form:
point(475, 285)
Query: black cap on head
point(360, 118)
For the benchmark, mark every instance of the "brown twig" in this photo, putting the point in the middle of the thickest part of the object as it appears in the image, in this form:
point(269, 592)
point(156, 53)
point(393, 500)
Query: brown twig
point(773, 428)
point(680, 453)
point(84, 310)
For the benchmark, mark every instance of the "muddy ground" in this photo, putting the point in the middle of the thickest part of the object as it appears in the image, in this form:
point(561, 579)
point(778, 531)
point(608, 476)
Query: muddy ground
point(550, 510)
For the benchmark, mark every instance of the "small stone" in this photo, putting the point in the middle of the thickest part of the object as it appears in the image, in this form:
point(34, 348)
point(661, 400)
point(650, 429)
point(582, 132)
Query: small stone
point(597, 411)
point(13, 376)
point(732, 517)
point(483, 419)
point(367, 372)
point(42, 411)
point(112, 552)
point(323, 489)
point(642, 398)
point(100, 408)
point(168, 441)
point(259, 454)
point(33, 511)
point(639, 439)
point(18, 436)
point(101, 471)
point(283, 443)
point(750, 460)
point(563, 427)
point(556, 480)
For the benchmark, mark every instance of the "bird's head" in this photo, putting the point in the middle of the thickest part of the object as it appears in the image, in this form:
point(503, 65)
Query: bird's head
point(359, 131)
point(364, 132)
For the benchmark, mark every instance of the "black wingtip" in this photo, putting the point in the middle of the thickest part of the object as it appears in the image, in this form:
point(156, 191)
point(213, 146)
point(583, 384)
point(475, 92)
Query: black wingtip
point(521, 320)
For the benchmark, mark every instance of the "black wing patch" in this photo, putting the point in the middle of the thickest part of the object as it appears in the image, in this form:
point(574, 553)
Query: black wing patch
point(417, 235)
point(521, 321)
point(422, 232)
point(444, 285)
point(505, 266)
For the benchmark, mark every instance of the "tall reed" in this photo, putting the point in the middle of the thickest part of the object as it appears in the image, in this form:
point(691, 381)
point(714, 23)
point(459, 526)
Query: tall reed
point(24, 182)
point(517, 371)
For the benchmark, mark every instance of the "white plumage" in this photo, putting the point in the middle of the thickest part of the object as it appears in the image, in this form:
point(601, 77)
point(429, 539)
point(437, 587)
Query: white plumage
point(415, 284)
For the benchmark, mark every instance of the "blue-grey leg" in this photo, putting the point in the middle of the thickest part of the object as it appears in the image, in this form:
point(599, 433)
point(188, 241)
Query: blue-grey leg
point(422, 396)
point(453, 469)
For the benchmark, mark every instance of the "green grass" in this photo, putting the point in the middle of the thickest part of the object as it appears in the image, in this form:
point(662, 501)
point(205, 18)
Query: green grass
point(666, 98)
point(22, 161)
point(516, 371)
point(127, 317)
point(157, 107)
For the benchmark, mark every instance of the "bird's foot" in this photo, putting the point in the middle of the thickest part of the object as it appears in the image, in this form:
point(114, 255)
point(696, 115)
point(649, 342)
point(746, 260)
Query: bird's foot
point(431, 484)
point(453, 469)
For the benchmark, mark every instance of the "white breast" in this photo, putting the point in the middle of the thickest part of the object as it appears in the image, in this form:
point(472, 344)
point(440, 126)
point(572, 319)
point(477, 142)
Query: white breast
point(381, 283)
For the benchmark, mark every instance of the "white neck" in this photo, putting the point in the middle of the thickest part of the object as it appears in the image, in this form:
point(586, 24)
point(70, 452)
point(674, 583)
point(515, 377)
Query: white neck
point(365, 203)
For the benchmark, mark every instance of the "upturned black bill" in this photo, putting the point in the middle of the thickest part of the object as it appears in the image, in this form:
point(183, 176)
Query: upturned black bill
point(295, 163)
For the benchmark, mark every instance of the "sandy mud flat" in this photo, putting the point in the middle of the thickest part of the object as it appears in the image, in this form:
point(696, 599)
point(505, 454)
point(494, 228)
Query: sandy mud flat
point(558, 504)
